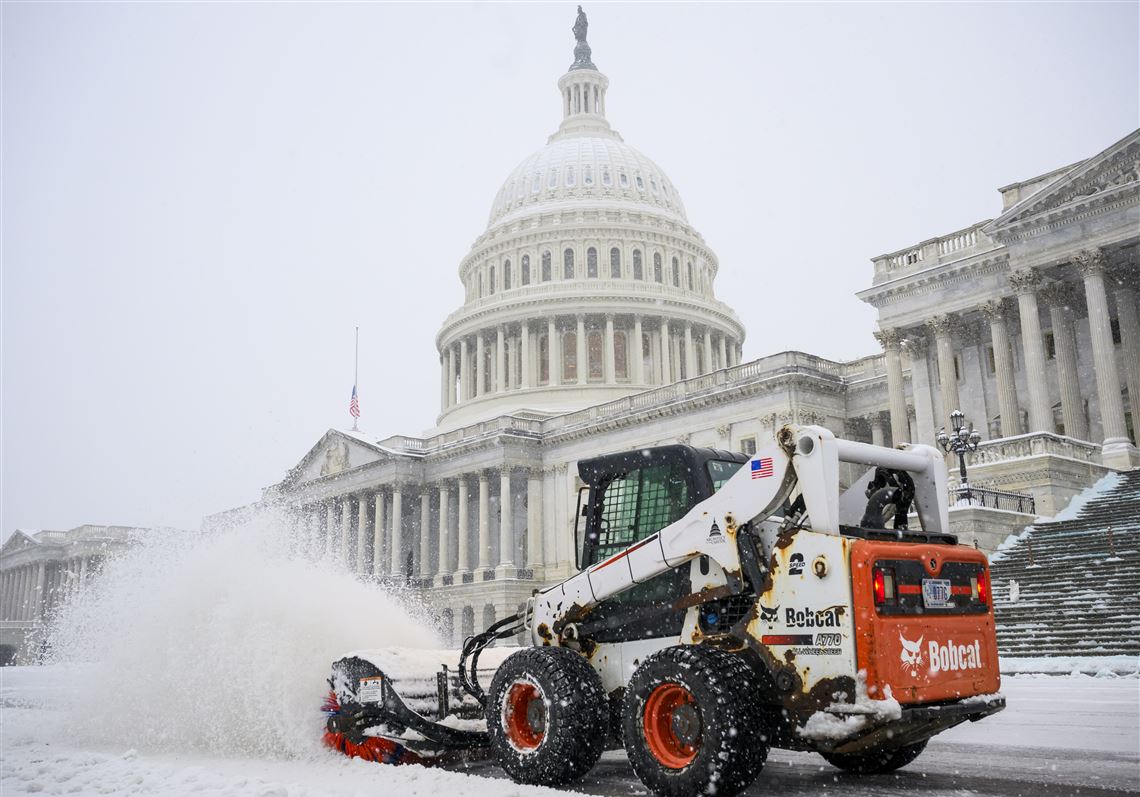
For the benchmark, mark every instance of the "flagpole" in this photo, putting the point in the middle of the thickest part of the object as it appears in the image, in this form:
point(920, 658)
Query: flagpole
point(356, 373)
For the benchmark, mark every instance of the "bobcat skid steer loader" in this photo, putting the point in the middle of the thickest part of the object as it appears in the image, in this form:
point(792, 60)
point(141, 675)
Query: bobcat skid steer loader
point(725, 605)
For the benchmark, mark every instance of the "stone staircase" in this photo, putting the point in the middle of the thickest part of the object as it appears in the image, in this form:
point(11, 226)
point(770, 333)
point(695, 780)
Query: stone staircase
point(1076, 599)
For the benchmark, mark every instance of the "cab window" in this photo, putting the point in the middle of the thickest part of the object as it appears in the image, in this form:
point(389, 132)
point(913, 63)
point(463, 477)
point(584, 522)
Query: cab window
point(721, 471)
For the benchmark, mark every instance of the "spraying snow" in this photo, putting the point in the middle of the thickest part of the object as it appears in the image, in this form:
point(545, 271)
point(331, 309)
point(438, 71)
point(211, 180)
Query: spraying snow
point(219, 642)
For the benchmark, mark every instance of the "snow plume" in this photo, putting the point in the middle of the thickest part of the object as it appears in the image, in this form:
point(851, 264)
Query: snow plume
point(219, 641)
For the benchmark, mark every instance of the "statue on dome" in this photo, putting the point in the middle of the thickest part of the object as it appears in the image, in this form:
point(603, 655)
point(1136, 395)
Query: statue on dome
point(581, 49)
point(580, 25)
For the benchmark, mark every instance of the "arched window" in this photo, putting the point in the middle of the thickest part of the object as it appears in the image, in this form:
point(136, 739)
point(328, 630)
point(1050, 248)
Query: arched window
point(638, 270)
point(640, 183)
point(595, 355)
point(447, 626)
point(570, 177)
point(491, 281)
point(676, 274)
point(553, 181)
point(507, 274)
point(592, 263)
point(607, 179)
point(526, 269)
point(657, 276)
point(543, 359)
point(653, 183)
point(546, 276)
point(568, 264)
point(621, 354)
point(623, 179)
point(569, 356)
point(615, 263)
point(488, 615)
point(587, 175)
point(467, 625)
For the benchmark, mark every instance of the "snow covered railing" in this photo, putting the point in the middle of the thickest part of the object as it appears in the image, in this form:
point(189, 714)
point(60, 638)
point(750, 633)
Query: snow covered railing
point(993, 499)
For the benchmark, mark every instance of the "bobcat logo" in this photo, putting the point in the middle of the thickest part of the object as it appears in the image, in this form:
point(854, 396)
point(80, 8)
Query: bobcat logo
point(911, 655)
point(769, 615)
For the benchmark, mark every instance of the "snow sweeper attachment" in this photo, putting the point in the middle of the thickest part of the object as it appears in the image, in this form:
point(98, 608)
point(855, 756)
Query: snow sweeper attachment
point(724, 604)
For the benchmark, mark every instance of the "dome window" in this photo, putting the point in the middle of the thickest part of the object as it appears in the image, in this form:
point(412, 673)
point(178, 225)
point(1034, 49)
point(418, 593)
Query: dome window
point(676, 274)
point(507, 274)
point(607, 178)
point(592, 263)
point(615, 263)
point(653, 183)
point(587, 175)
point(569, 356)
point(553, 181)
point(570, 177)
point(568, 264)
point(621, 358)
point(537, 184)
point(638, 269)
point(595, 354)
point(640, 183)
point(525, 270)
point(546, 275)
point(657, 275)
point(623, 179)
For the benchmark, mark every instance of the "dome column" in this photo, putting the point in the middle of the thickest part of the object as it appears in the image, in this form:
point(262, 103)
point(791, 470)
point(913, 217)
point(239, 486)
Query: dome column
point(690, 353)
point(480, 364)
point(451, 375)
point(666, 347)
point(610, 367)
point(524, 356)
point(723, 353)
point(553, 353)
point(580, 350)
point(464, 371)
point(501, 357)
point(708, 351)
point(637, 353)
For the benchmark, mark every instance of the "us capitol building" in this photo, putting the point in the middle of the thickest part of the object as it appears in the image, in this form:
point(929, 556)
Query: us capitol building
point(591, 325)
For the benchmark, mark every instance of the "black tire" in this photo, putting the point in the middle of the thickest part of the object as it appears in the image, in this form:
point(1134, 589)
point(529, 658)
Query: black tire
point(876, 762)
point(693, 723)
point(547, 716)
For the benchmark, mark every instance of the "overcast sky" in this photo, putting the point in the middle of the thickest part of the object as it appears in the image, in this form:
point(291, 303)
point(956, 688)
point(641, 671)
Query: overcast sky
point(200, 201)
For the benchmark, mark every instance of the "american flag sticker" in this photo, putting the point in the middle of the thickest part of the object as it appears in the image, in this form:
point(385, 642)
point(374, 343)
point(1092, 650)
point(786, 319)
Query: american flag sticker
point(761, 467)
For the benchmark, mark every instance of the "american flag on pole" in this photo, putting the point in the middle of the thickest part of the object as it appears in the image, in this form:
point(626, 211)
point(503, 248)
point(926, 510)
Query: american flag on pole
point(354, 404)
point(761, 467)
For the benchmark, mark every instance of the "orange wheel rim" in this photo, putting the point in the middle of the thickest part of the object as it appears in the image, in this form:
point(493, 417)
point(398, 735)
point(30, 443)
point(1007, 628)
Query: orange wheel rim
point(524, 715)
point(672, 725)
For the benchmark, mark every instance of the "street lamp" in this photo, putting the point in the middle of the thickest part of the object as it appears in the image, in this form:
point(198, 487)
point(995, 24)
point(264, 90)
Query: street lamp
point(960, 441)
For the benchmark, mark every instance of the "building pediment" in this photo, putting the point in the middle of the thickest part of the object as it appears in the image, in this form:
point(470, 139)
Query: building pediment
point(19, 541)
point(1109, 174)
point(335, 453)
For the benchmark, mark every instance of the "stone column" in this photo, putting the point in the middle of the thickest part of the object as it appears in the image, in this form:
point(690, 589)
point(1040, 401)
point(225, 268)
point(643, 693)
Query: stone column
point(444, 568)
point(463, 553)
point(506, 525)
point(581, 350)
point(608, 357)
point(501, 354)
point(464, 371)
point(637, 353)
point(484, 521)
point(39, 592)
point(524, 357)
point(666, 348)
point(943, 327)
point(1116, 450)
point(876, 429)
point(690, 353)
point(708, 352)
point(361, 532)
point(330, 527)
point(1061, 299)
point(1128, 316)
point(480, 365)
point(346, 545)
point(920, 384)
point(443, 381)
point(534, 521)
point(553, 352)
point(425, 533)
point(378, 535)
point(396, 568)
point(996, 313)
point(891, 341)
point(722, 351)
point(450, 376)
point(1025, 284)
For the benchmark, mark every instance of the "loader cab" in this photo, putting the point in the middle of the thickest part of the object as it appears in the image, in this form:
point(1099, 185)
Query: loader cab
point(628, 497)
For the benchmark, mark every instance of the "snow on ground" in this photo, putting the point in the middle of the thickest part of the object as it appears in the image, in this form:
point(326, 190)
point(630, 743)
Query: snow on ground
point(1066, 665)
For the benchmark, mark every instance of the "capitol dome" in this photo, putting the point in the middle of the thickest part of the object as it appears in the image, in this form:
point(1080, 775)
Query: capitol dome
point(588, 284)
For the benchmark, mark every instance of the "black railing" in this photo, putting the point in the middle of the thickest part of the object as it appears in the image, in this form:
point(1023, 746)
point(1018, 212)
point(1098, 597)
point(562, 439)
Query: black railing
point(993, 499)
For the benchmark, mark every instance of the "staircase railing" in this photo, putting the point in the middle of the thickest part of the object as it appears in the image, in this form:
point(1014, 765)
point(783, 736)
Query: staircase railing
point(993, 499)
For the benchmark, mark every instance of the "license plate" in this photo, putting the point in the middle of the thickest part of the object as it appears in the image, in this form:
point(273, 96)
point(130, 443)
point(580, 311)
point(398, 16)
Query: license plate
point(935, 593)
point(371, 690)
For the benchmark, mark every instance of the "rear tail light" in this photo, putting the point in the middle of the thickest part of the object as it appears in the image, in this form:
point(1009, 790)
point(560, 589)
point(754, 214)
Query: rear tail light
point(980, 587)
point(883, 585)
